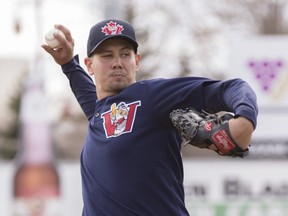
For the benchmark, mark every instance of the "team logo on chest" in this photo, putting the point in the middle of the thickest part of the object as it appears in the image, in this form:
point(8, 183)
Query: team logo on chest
point(120, 118)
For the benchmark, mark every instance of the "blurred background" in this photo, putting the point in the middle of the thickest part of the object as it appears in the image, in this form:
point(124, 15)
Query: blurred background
point(219, 39)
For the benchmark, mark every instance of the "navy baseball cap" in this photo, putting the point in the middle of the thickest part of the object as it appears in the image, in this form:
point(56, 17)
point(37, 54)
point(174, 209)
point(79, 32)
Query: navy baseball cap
point(110, 28)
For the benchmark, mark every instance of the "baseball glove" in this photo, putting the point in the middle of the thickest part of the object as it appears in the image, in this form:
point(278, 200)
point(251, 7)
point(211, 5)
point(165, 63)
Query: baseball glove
point(203, 129)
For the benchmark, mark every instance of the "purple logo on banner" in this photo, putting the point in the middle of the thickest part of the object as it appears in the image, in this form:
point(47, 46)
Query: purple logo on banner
point(265, 72)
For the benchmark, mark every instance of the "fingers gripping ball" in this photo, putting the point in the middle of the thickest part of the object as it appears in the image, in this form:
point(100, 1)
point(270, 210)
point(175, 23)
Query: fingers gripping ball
point(51, 40)
point(203, 129)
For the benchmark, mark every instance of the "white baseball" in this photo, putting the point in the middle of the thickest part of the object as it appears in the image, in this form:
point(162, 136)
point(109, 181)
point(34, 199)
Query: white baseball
point(51, 40)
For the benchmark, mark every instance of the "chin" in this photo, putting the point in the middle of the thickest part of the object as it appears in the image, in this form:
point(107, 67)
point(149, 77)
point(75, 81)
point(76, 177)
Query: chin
point(119, 86)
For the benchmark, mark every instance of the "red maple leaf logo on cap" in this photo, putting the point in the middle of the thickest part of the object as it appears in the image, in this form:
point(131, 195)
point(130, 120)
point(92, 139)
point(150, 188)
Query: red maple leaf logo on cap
point(112, 28)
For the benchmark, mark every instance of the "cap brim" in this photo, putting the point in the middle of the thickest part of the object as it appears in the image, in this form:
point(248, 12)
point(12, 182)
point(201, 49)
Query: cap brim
point(131, 40)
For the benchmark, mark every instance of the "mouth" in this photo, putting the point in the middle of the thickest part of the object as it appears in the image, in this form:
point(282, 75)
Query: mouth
point(117, 74)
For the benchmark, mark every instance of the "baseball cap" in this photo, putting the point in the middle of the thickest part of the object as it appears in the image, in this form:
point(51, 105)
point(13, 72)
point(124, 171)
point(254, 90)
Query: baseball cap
point(110, 28)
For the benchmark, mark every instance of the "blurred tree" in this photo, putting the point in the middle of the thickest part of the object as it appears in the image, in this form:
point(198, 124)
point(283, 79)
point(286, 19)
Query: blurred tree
point(188, 37)
point(172, 40)
point(142, 35)
point(9, 135)
point(69, 133)
point(265, 17)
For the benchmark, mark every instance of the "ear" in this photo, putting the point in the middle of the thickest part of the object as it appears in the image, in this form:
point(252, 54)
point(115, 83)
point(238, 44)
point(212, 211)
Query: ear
point(88, 62)
point(137, 59)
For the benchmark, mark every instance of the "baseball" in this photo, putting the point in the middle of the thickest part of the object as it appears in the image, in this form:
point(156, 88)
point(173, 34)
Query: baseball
point(51, 40)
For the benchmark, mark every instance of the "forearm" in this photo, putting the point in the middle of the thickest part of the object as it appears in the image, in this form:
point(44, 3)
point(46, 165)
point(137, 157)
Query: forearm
point(241, 130)
point(243, 100)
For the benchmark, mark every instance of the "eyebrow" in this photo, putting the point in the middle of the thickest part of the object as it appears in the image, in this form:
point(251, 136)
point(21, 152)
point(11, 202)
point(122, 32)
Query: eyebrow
point(105, 49)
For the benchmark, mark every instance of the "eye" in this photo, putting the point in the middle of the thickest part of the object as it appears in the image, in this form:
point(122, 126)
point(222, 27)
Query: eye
point(107, 55)
point(126, 54)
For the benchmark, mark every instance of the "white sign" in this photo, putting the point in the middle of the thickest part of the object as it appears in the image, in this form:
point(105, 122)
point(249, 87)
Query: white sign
point(236, 187)
point(263, 62)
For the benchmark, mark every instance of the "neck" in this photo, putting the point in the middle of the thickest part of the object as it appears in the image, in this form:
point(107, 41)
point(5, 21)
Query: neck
point(100, 96)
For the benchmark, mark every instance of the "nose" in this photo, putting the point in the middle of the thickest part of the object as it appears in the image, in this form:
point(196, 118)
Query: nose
point(117, 63)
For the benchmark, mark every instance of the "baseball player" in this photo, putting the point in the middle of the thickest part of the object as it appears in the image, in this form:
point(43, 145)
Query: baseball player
point(131, 162)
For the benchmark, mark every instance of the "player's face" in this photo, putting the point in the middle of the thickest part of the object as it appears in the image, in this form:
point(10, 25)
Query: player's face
point(114, 65)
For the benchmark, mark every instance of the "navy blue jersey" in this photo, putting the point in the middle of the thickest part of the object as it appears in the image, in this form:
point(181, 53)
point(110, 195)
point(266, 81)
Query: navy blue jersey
point(131, 162)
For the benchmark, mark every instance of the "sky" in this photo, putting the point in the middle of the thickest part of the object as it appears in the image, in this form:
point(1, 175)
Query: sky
point(35, 23)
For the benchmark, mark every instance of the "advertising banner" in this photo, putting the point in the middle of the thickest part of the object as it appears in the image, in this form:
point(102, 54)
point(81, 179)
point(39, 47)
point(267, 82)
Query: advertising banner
point(236, 187)
point(263, 62)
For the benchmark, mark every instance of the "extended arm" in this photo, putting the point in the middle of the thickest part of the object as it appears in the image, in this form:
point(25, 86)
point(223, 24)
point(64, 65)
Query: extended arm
point(80, 82)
